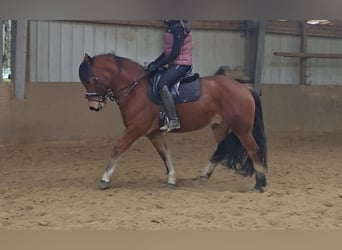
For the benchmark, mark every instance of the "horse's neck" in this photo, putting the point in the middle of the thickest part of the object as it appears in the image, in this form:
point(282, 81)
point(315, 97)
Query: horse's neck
point(128, 73)
point(125, 80)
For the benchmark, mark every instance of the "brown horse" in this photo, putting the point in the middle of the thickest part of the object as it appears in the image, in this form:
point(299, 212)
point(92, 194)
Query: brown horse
point(232, 109)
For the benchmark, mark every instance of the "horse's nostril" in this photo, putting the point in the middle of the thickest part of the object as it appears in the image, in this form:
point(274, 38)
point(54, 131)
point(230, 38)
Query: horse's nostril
point(94, 109)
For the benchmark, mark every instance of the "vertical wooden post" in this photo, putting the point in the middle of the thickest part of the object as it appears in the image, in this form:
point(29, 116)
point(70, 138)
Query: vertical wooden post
point(19, 52)
point(250, 48)
point(254, 51)
point(303, 49)
point(13, 48)
point(259, 60)
point(1, 48)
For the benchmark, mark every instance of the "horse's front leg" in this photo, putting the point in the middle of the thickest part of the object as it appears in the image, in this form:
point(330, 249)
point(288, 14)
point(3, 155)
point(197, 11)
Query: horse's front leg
point(123, 144)
point(159, 143)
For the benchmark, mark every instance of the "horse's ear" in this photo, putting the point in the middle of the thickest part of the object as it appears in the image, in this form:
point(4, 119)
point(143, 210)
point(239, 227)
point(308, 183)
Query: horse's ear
point(87, 58)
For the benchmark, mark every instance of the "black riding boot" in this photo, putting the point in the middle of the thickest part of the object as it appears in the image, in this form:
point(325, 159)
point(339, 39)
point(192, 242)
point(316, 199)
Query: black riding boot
point(170, 110)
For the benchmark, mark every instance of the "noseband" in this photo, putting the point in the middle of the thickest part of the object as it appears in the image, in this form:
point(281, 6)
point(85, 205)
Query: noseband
point(101, 98)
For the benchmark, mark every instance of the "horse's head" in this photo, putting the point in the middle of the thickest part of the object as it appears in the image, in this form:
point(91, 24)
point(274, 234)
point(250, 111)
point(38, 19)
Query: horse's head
point(109, 76)
point(96, 82)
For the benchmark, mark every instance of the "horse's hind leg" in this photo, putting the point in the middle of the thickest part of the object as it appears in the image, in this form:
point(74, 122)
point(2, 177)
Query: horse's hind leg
point(220, 130)
point(208, 170)
point(253, 151)
point(158, 142)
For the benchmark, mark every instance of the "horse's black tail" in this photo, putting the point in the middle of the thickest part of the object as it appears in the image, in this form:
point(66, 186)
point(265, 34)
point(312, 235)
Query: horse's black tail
point(232, 154)
point(259, 129)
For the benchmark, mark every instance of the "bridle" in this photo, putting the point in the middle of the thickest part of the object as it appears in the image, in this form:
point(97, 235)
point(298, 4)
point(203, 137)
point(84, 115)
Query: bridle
point(109, 92)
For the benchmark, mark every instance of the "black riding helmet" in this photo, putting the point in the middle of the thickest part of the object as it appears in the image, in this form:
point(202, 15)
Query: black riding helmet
point(171, 22)
point(183, 23)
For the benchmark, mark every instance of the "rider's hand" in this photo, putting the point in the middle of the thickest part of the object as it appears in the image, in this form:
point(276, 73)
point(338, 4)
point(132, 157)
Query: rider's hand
point(151, 67)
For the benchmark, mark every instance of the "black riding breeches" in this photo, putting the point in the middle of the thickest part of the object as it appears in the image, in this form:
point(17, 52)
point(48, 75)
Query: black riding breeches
point(172, 75)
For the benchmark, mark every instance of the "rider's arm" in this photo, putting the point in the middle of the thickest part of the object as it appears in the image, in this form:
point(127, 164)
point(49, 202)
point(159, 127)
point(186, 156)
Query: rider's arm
point(178, 36)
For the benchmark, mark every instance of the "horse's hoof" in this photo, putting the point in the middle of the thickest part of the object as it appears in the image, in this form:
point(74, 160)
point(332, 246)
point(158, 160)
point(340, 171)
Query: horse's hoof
point(104, 184)
point(204, 178)
point(171, 185)
point(258, 190)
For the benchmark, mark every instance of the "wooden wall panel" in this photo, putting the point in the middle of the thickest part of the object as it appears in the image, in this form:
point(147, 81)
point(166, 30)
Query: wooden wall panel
point(57, 48)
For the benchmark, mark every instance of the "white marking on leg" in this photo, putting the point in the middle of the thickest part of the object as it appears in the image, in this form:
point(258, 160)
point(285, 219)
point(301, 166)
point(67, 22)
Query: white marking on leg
point(260, 168)
point(209, 169)
point(109, 170)
point(172, 172)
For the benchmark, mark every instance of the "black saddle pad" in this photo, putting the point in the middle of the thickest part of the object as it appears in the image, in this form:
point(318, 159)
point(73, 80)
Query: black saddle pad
point(186, 92)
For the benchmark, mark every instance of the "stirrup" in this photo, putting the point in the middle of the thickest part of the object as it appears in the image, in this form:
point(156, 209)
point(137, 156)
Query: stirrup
point(168, 128)
point(171, 129)
point(175, 125)
point(164, 128)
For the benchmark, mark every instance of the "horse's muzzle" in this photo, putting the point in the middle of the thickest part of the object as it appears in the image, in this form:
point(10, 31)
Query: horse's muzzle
point(96, 105)
point(94, 109)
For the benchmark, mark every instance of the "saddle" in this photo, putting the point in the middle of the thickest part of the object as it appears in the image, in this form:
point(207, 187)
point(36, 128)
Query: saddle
point(184, 91)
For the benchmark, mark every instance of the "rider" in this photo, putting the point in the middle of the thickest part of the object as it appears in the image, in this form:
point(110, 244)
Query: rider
point(177, 55)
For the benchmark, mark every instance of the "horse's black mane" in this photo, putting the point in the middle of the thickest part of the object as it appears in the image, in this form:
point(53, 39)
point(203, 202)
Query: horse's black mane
point(118, 59)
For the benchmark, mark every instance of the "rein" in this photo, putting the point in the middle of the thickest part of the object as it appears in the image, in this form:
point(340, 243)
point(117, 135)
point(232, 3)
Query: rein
point(130, 88)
